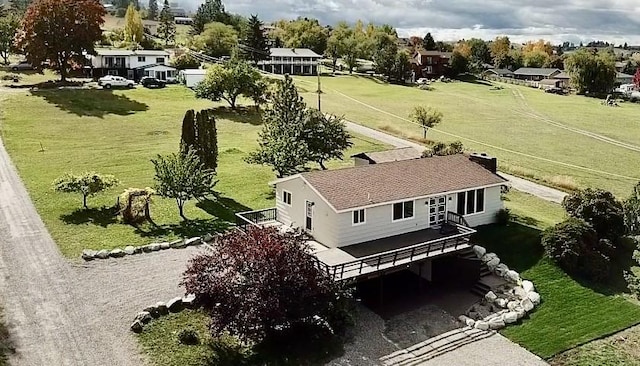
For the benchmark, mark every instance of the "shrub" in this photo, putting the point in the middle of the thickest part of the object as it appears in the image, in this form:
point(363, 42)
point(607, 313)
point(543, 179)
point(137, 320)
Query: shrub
point(574, 245)
point(185, 61)
point(133, 205)
point(503, 216)
point(227, 350)
point(11, 77)
point(189, 336)
point(439, 148)
point(455, 147)
point(600, 209)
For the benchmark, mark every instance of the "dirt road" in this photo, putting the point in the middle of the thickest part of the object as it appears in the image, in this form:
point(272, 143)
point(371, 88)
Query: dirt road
point(65, 313)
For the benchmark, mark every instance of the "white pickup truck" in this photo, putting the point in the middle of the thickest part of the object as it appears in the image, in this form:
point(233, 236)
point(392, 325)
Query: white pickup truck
point(111, 81)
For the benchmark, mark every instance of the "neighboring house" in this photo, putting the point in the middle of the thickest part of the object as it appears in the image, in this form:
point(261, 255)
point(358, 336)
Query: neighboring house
point(622, 78)
point(372, 218)
point(431, 64)
point(620, 66)
point(132, 64)
point(293, 61)
point(183, 20)
point(535, 73)
point(150, 26)
point(564, 78)
point(377, 157)
point(503, 73)
point(191, 77)
point(178, 11)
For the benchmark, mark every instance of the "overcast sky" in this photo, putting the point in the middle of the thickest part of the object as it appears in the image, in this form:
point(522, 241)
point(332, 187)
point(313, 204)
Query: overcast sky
point(557, 20)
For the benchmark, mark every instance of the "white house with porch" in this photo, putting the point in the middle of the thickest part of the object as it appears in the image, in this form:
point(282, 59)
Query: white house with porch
point(381, 216)
point(293, 61)
point(132, 64)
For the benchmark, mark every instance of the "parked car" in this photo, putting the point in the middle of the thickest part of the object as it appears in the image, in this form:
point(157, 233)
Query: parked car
point(111, 81)
point(151, 82)
point(422, 81)
point(554, 90)
point(22, 65)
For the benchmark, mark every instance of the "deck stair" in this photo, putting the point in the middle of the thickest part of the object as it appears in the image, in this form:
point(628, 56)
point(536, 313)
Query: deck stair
point(479, 288)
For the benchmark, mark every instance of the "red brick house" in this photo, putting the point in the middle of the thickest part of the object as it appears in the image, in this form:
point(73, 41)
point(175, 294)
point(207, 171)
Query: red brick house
point(430, 64)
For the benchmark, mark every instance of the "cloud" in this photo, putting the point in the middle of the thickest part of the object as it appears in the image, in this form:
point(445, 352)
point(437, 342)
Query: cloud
point(556, 20)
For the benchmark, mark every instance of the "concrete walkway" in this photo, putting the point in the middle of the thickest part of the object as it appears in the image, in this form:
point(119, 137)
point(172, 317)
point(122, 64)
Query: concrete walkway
point(523, 185)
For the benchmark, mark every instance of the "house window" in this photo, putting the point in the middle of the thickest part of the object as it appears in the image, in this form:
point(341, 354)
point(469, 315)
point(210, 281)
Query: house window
point(142, 59)
point(112, 72)
point(402, 210)
point(471, 202)
point(429, 60)
point(358, 217)
point(286, 198)
point(429, 69)
point(160, 60)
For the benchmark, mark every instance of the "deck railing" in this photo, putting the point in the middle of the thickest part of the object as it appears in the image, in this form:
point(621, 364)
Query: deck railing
point(255, 218)
point(456, 218)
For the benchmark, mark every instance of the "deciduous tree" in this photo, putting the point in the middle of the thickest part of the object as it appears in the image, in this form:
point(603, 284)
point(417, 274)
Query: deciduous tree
point(636, 78)
point(167, 27)
point(600, 209)
point(326, 137)
point(500, 48)
point(87, 184)
point(261, 283)
point(426, 117)
point(631, 208)
point(185, 61)
point(182, 177)
point(8, 27)
point(216, 40)
point(228, 82)
point(385, 52)
point(60, 31)
point(304, 33)
point(336, 44)
point(208, 12)
point(595, 73)
point(133, 29)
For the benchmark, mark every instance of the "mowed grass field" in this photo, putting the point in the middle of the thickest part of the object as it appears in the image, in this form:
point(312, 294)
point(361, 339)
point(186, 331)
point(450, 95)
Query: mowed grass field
point(117, 132)
point(513, 123)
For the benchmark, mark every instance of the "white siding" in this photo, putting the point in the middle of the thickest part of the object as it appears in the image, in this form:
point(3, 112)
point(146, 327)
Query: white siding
point(492, 204)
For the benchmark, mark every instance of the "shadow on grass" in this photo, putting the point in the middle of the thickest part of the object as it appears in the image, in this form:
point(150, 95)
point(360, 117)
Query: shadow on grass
point(242, 114)
point(474, 80)
point(375, 79)
point(189, 228)
point(91, 102)
point(103, 216)
point(224, 208)
point(517, 245)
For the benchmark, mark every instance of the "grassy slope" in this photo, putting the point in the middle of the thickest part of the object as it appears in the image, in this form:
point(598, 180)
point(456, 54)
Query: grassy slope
point(499, 118)
point(571, 313)
point(620, 349)
point(118, 133)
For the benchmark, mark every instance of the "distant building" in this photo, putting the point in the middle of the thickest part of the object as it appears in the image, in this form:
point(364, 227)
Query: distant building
point(183, 20)
point(535, 73)
point(132, 64)
point(294, 61)
point(503, 73)
point(622, 78)
point(430, 64)
point(178, 11)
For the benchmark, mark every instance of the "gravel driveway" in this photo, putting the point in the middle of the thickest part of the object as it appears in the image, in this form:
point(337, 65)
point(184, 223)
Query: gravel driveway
point(71, 313)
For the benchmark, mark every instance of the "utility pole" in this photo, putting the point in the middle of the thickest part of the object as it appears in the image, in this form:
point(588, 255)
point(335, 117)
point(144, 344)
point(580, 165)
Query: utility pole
point(319, 87)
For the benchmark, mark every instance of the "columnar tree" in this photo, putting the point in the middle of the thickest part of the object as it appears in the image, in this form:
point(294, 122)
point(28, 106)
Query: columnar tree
point(326, 137)
point(152, 11)
point(631, 207)
point(87, 184)
point(255, 40)
point(385, 52)
point(429, 43)
point(401, 66)
point(228, 82)
point(40, 37)
point(261, 283)
point(426, 117)
point(182, 177)
point(133, 29)
point(199, 134)
point(500, 48)
point(167, 27)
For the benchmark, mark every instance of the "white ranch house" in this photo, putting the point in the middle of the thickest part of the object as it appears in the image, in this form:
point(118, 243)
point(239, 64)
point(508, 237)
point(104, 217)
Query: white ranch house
point(132, 64)
point(381, 216)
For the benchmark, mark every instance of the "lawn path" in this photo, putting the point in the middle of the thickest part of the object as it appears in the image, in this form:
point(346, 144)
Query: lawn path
point(62, 313)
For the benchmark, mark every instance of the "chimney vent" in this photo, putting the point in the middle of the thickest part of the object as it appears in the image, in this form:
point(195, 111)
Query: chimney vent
point(488, 162)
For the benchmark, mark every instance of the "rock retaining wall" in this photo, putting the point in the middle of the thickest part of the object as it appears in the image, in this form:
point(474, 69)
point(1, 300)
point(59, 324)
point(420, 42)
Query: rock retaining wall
point(89, 254)
point(508, 304)
point(175, 305)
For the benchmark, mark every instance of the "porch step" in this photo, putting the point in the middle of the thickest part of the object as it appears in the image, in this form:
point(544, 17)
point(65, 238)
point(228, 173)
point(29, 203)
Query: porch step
point(470, 254)
point(434, 347)
point(480, 288)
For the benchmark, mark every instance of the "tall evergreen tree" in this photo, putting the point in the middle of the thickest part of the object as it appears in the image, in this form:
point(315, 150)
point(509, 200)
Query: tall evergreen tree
point(429, 43)
point(199, 134)
point(19, 6)
point(209, 11)
point(167, 27)
point(256, 40)
point(152, 12)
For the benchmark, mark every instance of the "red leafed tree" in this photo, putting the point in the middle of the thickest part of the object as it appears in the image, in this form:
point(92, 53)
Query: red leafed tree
point(258, 283)
point(636, 78)
point(60, 31)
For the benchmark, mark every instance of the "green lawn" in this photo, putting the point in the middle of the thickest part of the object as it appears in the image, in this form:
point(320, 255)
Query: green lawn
point(572, 312)
point(620, 349)
point(512, 118)
point(118, 132)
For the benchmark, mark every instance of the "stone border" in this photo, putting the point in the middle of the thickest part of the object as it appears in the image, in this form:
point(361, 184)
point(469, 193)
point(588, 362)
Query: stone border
point(89, 254)
point(175, 305)
point(514, 301)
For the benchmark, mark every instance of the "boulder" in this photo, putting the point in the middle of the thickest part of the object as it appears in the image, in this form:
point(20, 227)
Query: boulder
point(493, 263)
point(534, 297)
point(478, 250)
point(482, 325)
point(528, 286)
point(117, 253)
point(189, 301)
point(144, 317)
point(193, 241)
point(102, 254)
point(88, 254)
point(154, 247)
point(137, 250)
point(512, 276)
point(510, 317)
point(152, 310)
point(177, 244)
point(502, 302)
point(490, 296)
point(136, 326)
point(512, 305)
point(129, 250)
point(165, 245)
point(489, 256)
point(501, 269)
point(527, 305)
point(470, 322)
point(520, 292)
point(146, 248)
point(497, 323)
point(207, 238)
point(162, 308)
point(175, 305)
point(521, 312)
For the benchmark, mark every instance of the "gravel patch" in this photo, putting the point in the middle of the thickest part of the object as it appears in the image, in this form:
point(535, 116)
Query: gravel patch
point(418, 325)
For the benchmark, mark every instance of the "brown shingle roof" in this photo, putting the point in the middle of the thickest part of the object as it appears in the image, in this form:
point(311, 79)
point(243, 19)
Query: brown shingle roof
point(379, 183)
point(386, 156)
